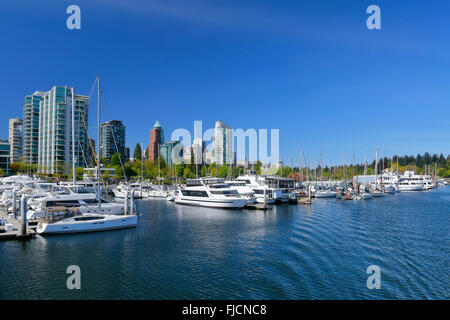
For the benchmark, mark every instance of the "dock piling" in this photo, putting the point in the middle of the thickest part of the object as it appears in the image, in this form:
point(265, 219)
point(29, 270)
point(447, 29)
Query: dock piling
point(125, 202)
point(14, 203)
point(265, 198)
point(23, 216)
point(132, 202)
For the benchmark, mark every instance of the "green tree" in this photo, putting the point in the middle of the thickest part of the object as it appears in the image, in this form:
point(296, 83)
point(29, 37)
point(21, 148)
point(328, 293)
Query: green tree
point(137, 154)
point(2, 173)
point(15, 166)
point(115, 160)
point(188, 173)
point(179, 170)
point(257, 167)
point(223, 172)
point(78, 173)
point(212, 170)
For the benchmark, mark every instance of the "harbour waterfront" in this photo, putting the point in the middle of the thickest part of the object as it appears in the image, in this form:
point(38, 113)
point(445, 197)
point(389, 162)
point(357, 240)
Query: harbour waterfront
point(320, 251)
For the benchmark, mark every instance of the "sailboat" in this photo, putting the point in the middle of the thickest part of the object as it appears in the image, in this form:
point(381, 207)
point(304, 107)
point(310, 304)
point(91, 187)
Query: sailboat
point(365, 195)
point(61, 219)
point(377, 192)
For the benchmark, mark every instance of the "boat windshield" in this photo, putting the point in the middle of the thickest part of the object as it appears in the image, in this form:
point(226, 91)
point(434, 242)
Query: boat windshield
point(225, 192)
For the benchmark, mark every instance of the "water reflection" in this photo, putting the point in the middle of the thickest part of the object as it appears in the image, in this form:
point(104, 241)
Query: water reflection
point(292, 251)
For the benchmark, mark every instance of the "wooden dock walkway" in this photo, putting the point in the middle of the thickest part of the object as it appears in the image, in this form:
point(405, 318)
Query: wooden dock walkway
point(257, 206)
point(14, 234)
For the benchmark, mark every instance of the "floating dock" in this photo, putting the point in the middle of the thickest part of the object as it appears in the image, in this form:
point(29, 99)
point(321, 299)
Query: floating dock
point(15, 232)
point(257, 206)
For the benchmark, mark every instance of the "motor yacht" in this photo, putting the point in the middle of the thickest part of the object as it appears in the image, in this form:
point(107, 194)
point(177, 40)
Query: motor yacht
point(410, 182)
point(206, 192)
point(243, 189)
point(260, 186)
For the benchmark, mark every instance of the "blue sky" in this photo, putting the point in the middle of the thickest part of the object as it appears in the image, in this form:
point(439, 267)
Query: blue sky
point(309, 68)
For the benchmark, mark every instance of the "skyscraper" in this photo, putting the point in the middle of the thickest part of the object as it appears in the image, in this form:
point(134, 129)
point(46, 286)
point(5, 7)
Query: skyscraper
point(156, 138)
point(30, 129)
point(223, 144)
point(194, 153)
point(4, 156)
point(167, 149)
point(112, 137)
point(55, 130)
point(15, 139)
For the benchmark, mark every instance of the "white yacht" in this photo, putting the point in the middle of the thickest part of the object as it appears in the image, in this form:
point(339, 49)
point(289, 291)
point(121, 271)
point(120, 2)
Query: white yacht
point(87, 203)
point(428, 182)
point(243, 189)
point(206, 192)
point(259, 186)
point(326, 193)
point(120, 190)
point(259, 195)
point(283, 187)
point(410, 182)
point(60, 220)
point(389, 180)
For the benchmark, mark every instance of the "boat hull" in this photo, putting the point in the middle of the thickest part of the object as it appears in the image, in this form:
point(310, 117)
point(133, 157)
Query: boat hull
point(212, 203)
point(88, 226)
point(325, 194)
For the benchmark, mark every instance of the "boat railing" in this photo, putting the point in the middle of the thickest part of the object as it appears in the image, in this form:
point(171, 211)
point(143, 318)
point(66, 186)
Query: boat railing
point(58, 213)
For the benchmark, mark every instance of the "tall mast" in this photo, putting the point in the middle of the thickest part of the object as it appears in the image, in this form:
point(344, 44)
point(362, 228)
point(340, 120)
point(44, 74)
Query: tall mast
point(159, 158)
point(300, 167)
point(376, 168)
point(397, 165)
point(345, 173)
point(98, 145)
point(365, 172)
point(142, 164)
point(73, 139)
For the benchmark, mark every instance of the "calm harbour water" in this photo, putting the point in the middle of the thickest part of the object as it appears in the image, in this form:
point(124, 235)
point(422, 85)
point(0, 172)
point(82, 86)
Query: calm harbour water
point(290, 252)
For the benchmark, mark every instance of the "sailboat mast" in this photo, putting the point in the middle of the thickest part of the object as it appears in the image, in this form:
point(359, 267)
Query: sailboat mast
point(98, 145)
point(397, 165)
point(159, 161)
point(376, 168)
point(73, 139)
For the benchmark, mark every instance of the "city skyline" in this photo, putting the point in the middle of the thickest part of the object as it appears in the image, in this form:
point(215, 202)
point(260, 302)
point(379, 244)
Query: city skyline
point(362, 93)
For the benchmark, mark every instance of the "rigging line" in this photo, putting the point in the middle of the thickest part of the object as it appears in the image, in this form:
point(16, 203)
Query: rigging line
point(93, 153)
point(92, 88)
point(86, 164)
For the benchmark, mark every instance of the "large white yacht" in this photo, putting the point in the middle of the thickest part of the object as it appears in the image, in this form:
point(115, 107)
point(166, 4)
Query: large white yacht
point(243, 189)
point(410, 182)
point(428, 182)
point(207, 192)
point(260, 188)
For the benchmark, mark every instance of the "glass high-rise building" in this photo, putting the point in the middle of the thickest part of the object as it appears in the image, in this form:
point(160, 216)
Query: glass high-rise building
point(5, 156)
point(112, 137)
point(15, 139)
point(167, 151)
point(223, 144)
point(55, 131)
point(30, 129)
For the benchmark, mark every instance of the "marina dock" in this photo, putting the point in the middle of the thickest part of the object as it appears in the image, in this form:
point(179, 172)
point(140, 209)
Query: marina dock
point(15, 233)
point(257, 206)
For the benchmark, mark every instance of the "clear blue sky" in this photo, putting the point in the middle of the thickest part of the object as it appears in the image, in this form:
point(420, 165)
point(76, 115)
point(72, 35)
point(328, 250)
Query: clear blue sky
point(310, 68)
